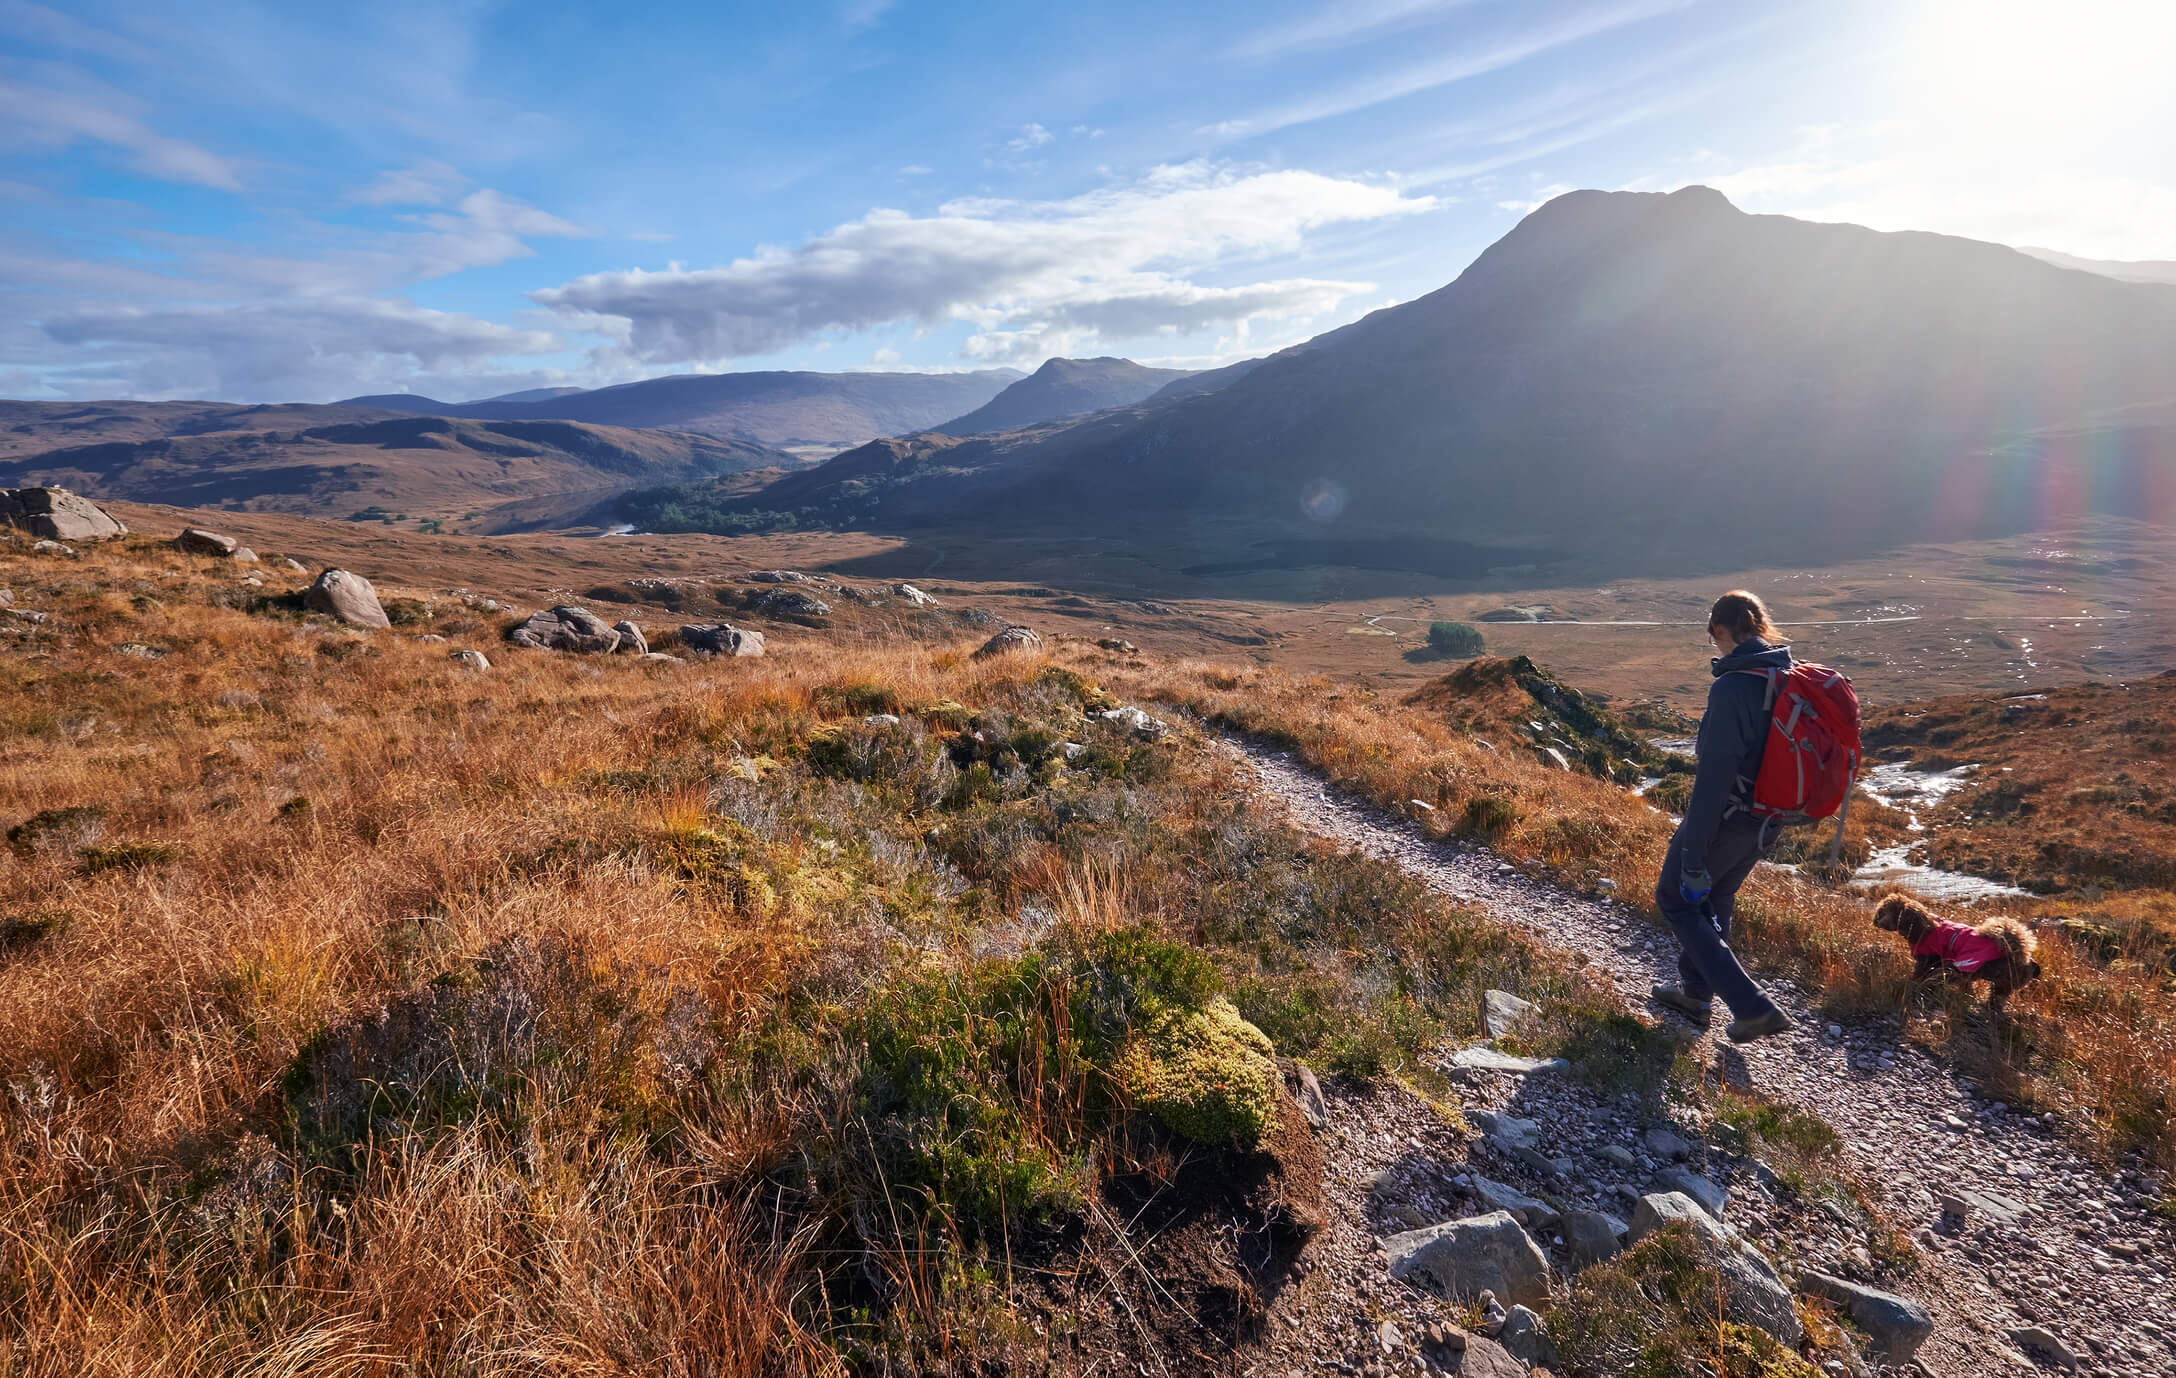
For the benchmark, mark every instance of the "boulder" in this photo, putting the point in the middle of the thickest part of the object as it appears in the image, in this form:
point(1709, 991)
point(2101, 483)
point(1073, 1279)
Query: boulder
point(1502, 1012)
point(346, 597)
point(470, 660)
point(243, 555)
point(566, 628)
point(294, 566)
point(47, 547)
point(914, 595)
point(1461, 1258)
point(1313, 1104)
point(2039, 1340)
point(1664, 1143)
point(55, 514)
point(1125, 715)
point(793, 603)
point(778, 576)
point(195, 540)
point(1592, 1236)
point(718, 639)
point(1692, 1184)
point(632, 641)
point(1506, 1131)
point(1753, 1294)
point(1899, 1325)
point(1528, 1210)
point(1485, 1358)
point(1009, 640)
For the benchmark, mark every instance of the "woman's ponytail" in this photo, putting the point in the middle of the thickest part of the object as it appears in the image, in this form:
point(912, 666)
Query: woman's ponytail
point(1742, 615)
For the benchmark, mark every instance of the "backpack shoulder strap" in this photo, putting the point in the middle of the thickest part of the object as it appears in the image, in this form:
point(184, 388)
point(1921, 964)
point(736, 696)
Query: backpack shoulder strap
point(1773, 679)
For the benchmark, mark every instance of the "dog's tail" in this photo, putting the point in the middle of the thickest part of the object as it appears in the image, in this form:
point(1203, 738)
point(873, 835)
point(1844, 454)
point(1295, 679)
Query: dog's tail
point(2018, 943)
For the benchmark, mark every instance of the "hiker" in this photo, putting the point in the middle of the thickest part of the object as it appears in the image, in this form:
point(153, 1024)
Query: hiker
point(1720, 839)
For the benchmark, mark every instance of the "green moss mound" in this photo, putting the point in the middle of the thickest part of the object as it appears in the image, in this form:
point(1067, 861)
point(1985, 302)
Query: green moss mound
point(1208, 1074)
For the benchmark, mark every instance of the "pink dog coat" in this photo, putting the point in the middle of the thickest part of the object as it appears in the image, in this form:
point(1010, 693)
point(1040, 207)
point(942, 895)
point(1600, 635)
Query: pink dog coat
point(1966, 949)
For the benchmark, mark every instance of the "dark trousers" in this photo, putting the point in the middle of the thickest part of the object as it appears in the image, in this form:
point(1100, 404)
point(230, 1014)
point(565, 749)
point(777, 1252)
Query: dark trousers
point(1706, 967)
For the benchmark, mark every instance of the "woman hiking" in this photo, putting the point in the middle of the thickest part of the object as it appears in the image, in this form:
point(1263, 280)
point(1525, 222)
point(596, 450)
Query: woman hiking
point(1719, 840)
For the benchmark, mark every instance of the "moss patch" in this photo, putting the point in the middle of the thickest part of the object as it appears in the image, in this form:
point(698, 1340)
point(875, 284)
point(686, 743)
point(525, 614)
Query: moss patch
point(1208, 1074)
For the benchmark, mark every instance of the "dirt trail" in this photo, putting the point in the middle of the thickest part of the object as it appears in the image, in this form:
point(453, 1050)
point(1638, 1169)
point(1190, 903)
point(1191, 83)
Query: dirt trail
point(2052, 1240)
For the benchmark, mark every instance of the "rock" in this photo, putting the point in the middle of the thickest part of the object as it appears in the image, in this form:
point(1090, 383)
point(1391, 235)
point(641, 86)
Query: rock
point(56, 514)
point(2036, 1339)
point(1899, 1325)
point(52, 548)
point(566, 628)
point(914, 595)
point(1694, 1185)
point(1460, 1258)
point(1133, 719)
point(1507, 1131)
point(195, 540)
point(1619, 1155)
point(778, 576)
point(1118, 644)
point(2003, 1210)
point(1486, 1059)
point(238, 700)
point(1311, 1100)
point(1754, 1295)
point(662, 658)
point(1664, 1143)
point(243, 555)
point(1009, 640)
point(31, 615)
point(346, 597)
point(1389, 1337)
point(1528, 1210)
point(294, 566)
point(1502, 1012)
point(470, 660)
point(1550, 756)
point(1527, 1337)
point(632, 641)
point(793, 603)
point(1484, 1358)
point(1592, 1236)
point(718, 639)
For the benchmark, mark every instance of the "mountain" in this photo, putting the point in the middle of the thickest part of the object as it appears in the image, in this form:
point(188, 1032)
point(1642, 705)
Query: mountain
point(535, 395)
point(1647, 380)
point(416, 465)
point(2143, 270)
point(28, 428)
point(811, 410)
point(1063, 388)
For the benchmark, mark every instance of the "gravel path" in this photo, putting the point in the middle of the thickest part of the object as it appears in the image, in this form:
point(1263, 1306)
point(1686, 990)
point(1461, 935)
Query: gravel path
point(2049, 1240)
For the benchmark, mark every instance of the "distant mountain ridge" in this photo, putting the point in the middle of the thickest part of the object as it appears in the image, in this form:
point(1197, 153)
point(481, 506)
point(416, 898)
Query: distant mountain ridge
point(1063, 388)
point(816, 410)
point(1660, 379)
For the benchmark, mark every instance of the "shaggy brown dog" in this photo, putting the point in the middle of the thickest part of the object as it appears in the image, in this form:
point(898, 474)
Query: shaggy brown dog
point(1999, 952)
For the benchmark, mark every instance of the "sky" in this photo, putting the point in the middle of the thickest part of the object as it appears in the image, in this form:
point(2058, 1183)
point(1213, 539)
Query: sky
point(259, 202)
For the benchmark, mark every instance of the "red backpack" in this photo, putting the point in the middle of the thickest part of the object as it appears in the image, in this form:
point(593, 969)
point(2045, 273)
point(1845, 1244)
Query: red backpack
point(1811, 759)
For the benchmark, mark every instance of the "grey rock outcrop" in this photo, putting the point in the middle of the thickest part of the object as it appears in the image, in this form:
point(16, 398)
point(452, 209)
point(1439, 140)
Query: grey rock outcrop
point(243, 555)
point(718, 639)
point(1593, 1236)
point(793, 603)
point(1461, 1258)
point(1528, 1210)
point(1486, 1059)
point(1484, 1358)
point(1526, 1336)
point(1666, 1143)
point(470, 660)
point(1506, 1131)
point(346, 596)
point(566, 628)
point(1692, 1184)
point(56, 514)
point(914, 596)
point(1899, 1325)
point(1311, 1100)
point(632, 641)
point(195, 540)
point(1502, 1012)
point(1753, 1294)
point(1009, 640)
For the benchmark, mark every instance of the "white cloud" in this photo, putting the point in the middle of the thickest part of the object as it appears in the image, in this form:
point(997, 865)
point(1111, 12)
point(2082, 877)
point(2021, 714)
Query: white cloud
point(428, 183)
point(1031, 136)
point(862, 14)
point(1341, 25)
point(50, 118)
point(915, 170)
point(1114, 261)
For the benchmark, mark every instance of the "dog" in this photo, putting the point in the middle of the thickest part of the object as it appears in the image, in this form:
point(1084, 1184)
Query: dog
point(1999, 952)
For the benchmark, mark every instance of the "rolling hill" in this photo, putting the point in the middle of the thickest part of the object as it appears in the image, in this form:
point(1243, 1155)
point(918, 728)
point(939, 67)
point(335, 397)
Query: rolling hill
point(1063, 388)
point(1651, 381)
point(28, 428)
point(416, 465)
point(810, 410)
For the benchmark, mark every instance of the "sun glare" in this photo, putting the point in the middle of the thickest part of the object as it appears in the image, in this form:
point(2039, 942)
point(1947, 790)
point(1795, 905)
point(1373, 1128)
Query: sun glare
point(2032, 61)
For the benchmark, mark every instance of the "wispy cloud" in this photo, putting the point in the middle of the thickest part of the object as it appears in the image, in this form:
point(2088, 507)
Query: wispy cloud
point(1115, 262)
point(51, 117)
point(1031, 136)
point(1343, 24)
point(428, 183)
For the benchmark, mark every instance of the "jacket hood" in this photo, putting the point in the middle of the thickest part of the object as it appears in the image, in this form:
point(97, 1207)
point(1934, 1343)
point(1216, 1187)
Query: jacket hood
point(1752, 654)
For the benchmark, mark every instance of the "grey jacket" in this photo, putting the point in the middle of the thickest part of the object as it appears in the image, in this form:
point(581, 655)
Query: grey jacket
point(1733, 733)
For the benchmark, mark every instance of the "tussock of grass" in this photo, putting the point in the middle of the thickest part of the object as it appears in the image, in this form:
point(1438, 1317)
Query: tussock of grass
point(1656, 1311)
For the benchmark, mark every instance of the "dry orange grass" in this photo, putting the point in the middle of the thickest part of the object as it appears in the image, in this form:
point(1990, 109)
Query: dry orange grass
point(2096, 1038)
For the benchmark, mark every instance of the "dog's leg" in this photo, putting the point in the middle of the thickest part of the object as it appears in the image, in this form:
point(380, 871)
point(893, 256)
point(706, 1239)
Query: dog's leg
point(1925, 970)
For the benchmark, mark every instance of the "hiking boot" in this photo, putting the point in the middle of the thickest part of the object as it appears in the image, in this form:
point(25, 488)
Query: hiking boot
point(1698, 1011)
point(1759, 1026)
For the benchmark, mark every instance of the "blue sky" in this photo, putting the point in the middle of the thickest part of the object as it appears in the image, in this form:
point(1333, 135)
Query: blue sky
point(212, 198)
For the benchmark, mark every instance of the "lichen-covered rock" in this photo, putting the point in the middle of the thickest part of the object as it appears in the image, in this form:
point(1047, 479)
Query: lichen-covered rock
point(56, 514)
point(1753, 1293)
point(470, 660)
point(718, 639)
point(566, 628)
point(349, 597)
point(793, 603)
point(1009, 640)
point(632, 641)
point(914, 595)
point(1208, 1074)
point(1899, 1325)
point(195, 540)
